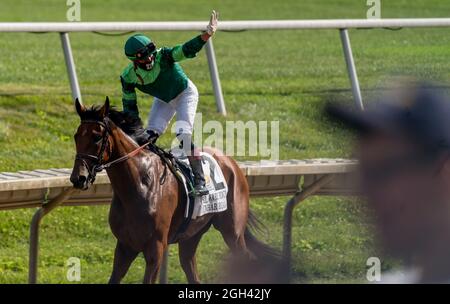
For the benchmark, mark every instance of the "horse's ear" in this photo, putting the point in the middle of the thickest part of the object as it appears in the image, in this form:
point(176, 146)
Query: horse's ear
point(80, 108)
point(104, 111)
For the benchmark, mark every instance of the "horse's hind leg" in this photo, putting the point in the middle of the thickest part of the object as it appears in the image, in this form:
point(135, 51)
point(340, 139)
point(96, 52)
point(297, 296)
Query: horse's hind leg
point(123, 257)
point(186, 253)
point(153, 255)
point(232, 235)
point(236, 243)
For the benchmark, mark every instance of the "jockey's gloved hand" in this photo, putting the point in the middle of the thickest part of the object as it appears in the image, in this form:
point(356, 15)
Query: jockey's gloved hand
point(152, 136)
point(212, 25)
point(143, 136)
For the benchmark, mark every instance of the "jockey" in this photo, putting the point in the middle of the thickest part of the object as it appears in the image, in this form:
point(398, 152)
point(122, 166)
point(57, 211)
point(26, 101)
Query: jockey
point(156, 72)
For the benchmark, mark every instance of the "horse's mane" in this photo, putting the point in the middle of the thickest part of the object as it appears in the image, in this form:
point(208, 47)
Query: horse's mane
point(128, 123)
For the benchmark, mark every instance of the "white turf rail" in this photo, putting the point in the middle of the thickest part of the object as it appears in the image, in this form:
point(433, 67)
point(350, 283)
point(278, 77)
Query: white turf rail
point(299, 178)
point(223, 25)
point(64, 28)
point(27, 189)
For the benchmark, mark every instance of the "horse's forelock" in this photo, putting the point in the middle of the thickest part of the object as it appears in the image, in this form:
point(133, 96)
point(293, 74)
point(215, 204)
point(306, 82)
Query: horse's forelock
point(92, 113)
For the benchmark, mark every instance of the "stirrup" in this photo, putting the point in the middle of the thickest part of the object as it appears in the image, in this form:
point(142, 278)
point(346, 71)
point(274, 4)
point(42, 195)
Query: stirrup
point(200, 190)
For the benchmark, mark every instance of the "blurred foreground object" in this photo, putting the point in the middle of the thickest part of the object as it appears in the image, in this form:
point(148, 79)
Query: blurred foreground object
point(240, 269)
point(404, 151)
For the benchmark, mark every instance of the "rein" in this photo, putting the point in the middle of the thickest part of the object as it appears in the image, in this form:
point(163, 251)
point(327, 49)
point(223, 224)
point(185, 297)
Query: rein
point(122, 158)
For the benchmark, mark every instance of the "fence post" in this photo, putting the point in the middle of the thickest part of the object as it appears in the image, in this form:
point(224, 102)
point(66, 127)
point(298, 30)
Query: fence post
point(300, 196)
point(34, 246)
point(34, 231)
point(214, 73)
point(70, 65)
point(351, 68)
point(163, 279)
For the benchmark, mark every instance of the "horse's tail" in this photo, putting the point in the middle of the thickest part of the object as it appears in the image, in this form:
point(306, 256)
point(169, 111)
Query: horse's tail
point(266, 265)
point(258, 248)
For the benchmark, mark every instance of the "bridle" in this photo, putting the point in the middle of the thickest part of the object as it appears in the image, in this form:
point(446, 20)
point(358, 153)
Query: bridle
point(98, 159)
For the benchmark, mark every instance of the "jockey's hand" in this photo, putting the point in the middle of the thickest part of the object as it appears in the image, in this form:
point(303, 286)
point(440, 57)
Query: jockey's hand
point(212, 25)
point(152, 136)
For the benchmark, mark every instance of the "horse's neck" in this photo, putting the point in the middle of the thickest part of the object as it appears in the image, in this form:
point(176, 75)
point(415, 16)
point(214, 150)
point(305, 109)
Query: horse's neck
point(122, 143)
point(125, 176)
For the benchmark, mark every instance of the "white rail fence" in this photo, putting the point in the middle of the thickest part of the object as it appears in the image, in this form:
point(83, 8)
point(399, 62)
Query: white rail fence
point(48, 189)
point(63, 28)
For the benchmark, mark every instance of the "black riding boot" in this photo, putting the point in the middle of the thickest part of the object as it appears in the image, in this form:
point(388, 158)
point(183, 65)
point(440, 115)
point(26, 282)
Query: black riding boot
point(199, 177)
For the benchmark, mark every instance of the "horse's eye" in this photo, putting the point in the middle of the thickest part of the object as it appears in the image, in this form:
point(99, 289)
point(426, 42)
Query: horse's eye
point(97, 138)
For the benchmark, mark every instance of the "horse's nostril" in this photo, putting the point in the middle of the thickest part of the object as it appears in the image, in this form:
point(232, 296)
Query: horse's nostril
point(79, 182)
point(82, 180)
point(73, 180)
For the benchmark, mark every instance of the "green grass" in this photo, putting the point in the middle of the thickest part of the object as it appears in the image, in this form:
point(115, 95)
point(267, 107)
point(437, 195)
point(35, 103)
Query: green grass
point(266, 75)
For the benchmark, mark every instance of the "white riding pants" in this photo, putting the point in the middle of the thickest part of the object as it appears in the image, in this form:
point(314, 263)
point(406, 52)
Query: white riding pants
point(184, 105)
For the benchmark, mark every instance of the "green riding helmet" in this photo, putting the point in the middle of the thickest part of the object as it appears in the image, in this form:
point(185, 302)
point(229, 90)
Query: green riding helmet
point(139, 46)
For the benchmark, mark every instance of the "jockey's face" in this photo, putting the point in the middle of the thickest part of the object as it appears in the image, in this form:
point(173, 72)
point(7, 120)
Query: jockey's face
point(146, 57)
point(146, 63)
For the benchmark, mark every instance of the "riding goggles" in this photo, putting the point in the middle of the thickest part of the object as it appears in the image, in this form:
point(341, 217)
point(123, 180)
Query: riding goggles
point(146, 51)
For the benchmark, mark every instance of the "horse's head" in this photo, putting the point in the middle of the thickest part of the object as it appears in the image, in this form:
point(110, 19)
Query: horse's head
point(93, 144)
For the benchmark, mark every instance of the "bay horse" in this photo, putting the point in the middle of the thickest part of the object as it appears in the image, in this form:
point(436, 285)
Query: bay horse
point(147, 209)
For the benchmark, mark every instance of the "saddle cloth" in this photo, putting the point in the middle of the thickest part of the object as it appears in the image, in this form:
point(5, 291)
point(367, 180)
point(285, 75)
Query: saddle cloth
point(216, 200)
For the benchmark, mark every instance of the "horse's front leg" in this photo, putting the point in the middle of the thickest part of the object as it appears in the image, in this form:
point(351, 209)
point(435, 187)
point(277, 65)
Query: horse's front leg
point(153, 255)
point(123, 257)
